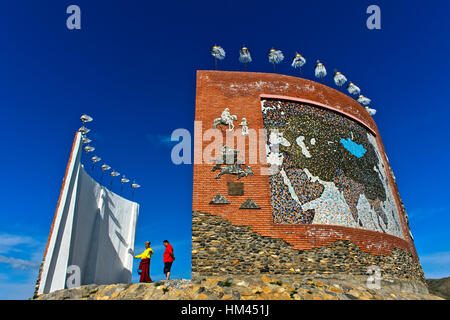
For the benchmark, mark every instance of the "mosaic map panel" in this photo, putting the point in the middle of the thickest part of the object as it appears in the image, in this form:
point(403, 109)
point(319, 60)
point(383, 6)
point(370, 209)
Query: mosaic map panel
point(329, 170)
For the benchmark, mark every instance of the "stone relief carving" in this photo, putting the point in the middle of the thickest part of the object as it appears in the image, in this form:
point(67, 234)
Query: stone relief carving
point(227, 119)
point(249, 204)
point(229, 157)
point(219, 199)
point(244, 126)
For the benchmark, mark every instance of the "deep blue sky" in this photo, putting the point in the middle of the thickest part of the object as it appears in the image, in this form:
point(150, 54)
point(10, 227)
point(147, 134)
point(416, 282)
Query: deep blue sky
point(132, 67)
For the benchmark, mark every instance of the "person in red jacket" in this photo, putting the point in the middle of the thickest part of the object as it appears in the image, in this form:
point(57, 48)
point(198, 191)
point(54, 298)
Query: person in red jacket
point(168, 258)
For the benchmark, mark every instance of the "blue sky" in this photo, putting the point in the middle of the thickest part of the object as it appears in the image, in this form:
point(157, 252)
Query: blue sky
point(129, 58)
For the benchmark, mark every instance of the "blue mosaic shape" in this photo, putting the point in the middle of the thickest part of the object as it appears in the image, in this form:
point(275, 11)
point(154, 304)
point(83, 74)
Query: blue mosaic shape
point(355, 149)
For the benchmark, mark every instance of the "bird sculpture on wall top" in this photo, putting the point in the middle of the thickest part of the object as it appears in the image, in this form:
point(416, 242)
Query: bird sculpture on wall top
point(320, 71)
point(104, 167)
point(244, 56)
point(84, 130)
point(275, 57)
point(353, 89)
point(134, 186)
point(363, 100)
point(218, 53)
point(339, 79)
point(86, 140)
point(371, 111)
point(298, 62)
point(88, 148)
point(85, 118)
point(95, 159)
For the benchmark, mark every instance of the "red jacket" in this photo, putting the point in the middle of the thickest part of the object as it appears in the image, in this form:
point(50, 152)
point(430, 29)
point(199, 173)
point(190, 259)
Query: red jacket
point(168, 254)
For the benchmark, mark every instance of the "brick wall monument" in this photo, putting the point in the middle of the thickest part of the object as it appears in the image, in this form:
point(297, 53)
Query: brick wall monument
point(328, 205)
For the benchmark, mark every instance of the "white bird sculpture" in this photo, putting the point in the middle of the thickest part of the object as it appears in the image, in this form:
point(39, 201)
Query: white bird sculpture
point(275, 57)
point(94, 160)
point(104, 167)
point(134, 185)
point(339, 79)
point(244, 56)
point(84, 130)
point(86, 140)
point(353, 89)
point(113, 174)
point(123, 180)
point(371, 111)
point(298, 62)
point(88, 148)
point(320, 71)
point(218, 53)
point(363, 100)
point(85, 118)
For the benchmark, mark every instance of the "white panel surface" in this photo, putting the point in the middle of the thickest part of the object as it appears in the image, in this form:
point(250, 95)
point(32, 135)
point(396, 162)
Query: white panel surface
point(94, 230)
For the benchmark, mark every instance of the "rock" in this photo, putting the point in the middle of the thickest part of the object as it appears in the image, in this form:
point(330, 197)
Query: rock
point(266, 289)
point(327, 296)
point(239, 288)
point(440, 287)
point(280, 290)
point(202, 296)
point(236, 295)
point(318, 284)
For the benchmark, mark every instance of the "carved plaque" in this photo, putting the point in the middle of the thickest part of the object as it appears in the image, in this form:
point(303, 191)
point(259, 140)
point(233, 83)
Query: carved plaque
point(235, 188)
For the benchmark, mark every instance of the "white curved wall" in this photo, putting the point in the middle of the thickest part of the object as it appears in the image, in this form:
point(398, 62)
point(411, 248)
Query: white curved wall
point(94, 231)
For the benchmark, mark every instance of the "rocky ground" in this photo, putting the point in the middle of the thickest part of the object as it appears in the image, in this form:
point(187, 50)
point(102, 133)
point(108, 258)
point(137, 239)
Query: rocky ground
point(257, 288)
point(440, 287)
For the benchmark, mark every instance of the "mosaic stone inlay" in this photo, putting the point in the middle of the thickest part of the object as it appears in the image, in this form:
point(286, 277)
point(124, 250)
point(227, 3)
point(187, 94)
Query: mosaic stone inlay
point(330, 170)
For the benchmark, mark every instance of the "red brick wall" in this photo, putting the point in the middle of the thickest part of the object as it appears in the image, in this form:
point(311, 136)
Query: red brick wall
point(240, 91)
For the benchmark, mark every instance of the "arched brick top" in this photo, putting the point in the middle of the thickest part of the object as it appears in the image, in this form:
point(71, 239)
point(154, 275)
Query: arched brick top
point(242, 84)
point(321, 105)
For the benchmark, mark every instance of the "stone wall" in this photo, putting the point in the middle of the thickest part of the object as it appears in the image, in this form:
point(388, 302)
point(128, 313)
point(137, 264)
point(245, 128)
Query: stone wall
point(221, 248)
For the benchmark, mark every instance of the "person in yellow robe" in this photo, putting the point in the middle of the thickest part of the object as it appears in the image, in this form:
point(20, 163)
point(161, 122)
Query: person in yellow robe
point(144, 265)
